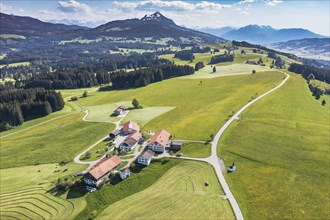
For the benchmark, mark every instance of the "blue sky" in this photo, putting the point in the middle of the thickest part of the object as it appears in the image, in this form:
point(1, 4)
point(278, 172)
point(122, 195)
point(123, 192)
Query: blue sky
point(312, 15)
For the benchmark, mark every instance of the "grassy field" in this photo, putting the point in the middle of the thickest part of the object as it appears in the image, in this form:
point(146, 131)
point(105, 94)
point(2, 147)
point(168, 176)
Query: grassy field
point(52, 142)
point(138, 181)
point(196, 149)
point(143, 116)
point(228, 70)
point(30, 198)
point(179, 194)
point(16, 64)
point(200, 109)
point(102, 113)
point(281, 148)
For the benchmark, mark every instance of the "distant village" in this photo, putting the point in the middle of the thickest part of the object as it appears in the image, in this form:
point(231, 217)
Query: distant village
point(127, 138)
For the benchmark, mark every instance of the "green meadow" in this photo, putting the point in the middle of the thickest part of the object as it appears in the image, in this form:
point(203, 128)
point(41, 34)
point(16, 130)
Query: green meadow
point(15, 64)
point(200, 109)
point(281, 148)
point(51, 142)
point(167, 197)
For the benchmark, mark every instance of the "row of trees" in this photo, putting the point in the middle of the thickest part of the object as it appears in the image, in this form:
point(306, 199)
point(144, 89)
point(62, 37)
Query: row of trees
point(18, 105)
point(199, 65)
point(185, 55)
point(145, 76)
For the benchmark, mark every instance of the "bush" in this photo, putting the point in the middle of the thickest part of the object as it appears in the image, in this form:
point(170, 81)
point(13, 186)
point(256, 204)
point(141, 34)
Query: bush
point(85, 94)
point(65, 183)
point(74, 98)
point(254, 71)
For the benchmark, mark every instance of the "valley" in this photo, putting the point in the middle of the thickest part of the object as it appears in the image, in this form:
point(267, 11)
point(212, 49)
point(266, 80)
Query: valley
point(143, 118)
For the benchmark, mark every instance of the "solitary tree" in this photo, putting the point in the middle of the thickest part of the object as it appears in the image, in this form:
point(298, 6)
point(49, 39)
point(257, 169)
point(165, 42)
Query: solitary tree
point(323, 102)
point(214, 69)
point(135, 103)
point(253, 71)
point(85, 94)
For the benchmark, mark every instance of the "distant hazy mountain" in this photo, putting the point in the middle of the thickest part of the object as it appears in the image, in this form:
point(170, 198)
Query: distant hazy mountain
point(27, 26)
point(313, 48)
point(216, 31)
point(80, 23)
point(259, 34)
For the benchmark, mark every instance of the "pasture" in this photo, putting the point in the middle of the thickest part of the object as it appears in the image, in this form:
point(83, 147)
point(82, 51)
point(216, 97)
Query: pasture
point(228, 70)
point(24, 193)
point(200, 109)
point(51, 142)
point(193, 149)
point(281, 149)
point(179, 194)
point(14, 36)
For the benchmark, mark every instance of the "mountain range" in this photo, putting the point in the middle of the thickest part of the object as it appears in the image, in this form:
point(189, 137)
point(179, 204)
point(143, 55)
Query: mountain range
point(154, 28)
point(261, 34)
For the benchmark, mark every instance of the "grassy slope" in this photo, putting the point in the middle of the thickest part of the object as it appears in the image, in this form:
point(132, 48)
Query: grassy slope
point(201, 107)
point(281, 148)
point(101, 199)
point(52, 142)
point(196, 150)
point(168, 197)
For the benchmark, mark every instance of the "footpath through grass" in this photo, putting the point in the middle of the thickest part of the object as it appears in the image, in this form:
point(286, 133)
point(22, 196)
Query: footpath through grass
point(281, 149)
point(179, 194)
point(50, 143)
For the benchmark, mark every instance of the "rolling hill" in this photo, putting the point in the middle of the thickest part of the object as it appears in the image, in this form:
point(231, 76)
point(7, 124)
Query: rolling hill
point(314, 48)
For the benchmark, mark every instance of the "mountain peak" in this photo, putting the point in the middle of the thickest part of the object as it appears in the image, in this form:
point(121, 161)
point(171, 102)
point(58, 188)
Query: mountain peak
point(157, 16)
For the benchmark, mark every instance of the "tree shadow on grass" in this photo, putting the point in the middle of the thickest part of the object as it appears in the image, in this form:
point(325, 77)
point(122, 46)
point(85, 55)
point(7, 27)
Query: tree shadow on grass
point(77, 191)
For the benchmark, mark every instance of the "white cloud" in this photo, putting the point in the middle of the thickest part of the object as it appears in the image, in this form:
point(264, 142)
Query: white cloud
point(156, 5)
point(5, 8)
point(21, 10)
point(246, 1)
point(273, 2)
point(245, 13)
point(73, 6)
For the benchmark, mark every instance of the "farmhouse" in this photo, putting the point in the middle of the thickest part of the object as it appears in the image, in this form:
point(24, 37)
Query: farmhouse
point(119, 110)
point(145, 157)
point(176, 145)
point(131, 141)
point(124, 173)
point(159, 141)
point(130, 127)
point(99, 171)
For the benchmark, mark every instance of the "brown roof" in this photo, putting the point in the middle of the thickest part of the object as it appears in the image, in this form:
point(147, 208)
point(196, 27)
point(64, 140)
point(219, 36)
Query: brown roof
point(130, 125)
point(161, 137)
point(147, 154)
point(104, 166)
point(133, 138)
point(125, 169)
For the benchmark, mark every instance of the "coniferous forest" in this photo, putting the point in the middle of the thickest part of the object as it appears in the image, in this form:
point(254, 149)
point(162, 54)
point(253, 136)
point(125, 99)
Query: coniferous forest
point(19, 105)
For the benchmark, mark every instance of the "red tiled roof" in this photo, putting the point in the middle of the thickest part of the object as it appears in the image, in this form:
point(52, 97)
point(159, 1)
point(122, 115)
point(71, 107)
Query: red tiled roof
point(133, 138)
point(104, 166)
point(161, 137)
point(130, 125)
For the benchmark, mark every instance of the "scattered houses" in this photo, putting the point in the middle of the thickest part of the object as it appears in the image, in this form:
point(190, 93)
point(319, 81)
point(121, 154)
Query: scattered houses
point(176, 145)
point(131, 141)
point(145, 157)
point(159, 141)
point(124, 173)
point(96, 175)
point(130, 127)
